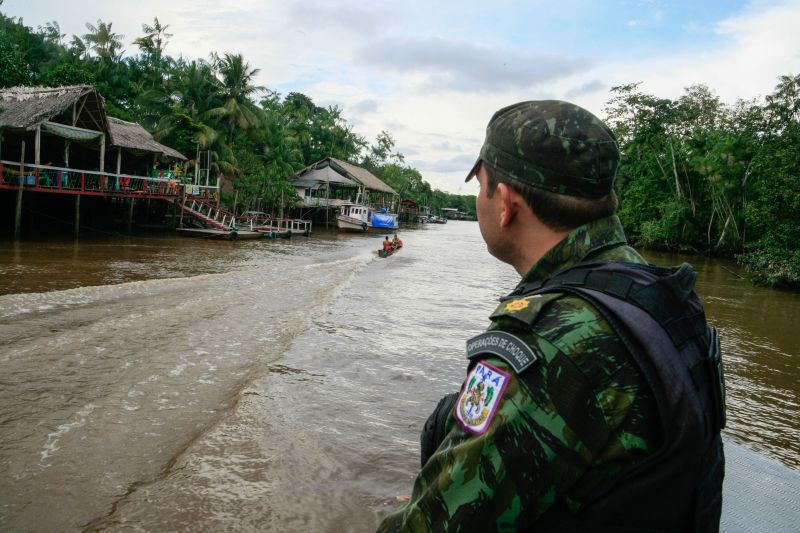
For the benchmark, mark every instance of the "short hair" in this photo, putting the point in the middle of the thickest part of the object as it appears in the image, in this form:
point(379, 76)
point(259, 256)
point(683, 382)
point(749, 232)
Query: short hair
point(557, 211)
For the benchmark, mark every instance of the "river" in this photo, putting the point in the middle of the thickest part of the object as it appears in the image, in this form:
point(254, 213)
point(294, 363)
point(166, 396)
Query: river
point(159, 383)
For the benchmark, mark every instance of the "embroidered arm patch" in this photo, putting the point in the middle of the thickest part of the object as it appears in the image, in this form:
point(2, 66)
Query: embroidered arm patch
point(506, 346)
point(480, 398)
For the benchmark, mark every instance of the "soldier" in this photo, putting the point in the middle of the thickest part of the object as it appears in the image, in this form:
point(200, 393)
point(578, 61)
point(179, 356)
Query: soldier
point(594, 400)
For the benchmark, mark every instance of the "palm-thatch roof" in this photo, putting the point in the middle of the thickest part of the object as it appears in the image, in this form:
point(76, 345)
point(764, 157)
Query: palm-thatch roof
point(315, 177)
point(133, 136)
point(27, 107)
point(360, 175)
point(364, 176)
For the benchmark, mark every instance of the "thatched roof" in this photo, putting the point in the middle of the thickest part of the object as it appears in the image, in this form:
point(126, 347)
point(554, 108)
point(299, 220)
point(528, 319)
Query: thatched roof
point(362, 175)
point(133, 136)
point(313, 177)
point(25, 107)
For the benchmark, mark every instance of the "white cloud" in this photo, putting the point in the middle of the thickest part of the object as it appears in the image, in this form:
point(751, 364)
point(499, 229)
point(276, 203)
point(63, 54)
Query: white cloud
point(751, 51)
point(435, 63)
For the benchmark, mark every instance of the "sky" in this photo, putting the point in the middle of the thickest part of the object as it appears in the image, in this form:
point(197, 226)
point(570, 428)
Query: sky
point(433, 73)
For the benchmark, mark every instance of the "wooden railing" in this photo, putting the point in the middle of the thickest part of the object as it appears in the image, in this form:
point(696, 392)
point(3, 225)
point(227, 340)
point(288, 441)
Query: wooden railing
point(46, 178)
point(292, 226)
point(209, 213)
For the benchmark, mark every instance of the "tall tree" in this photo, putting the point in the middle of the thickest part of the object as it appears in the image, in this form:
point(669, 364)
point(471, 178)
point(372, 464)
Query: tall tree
point(237, 79)
point(102, 40)
point(52, 33)
point(154, 40)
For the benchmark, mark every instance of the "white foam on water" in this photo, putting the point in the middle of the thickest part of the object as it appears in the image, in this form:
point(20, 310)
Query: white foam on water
point(76, 420)
point(178, 370)
point(18, 305)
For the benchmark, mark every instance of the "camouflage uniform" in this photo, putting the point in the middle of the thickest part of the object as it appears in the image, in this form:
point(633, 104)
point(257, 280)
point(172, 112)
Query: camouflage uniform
point(579, 417)
point(581, 414)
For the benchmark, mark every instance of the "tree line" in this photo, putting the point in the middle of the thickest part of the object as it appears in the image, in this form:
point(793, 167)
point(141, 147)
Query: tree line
point(703, 176)
point(254, 136)
point(696, 175)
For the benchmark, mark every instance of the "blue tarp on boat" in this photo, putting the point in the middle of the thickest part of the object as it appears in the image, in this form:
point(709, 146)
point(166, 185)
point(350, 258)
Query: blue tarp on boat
point(384, 221)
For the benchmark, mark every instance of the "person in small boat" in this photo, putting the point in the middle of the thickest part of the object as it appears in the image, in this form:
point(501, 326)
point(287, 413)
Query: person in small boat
point(594, 400)
point(396, 242)
point(387, 245)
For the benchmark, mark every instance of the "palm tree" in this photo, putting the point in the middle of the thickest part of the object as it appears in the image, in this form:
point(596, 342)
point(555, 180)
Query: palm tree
point(51, 32)
point(193, 91)
point(194, 86)
point(154, 40)
point(79, 48)
point(102, 40)
point(237, 109)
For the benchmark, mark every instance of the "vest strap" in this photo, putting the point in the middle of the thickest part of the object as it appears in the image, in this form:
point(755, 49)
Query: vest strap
point(664, 299)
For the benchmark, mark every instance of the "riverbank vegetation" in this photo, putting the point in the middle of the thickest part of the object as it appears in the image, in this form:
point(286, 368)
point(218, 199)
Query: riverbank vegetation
point(697, 174)
point(257, 138)
point(703, 176)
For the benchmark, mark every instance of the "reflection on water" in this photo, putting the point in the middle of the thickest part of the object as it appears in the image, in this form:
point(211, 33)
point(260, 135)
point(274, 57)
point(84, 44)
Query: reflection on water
point(170, 384)
point(758, 329)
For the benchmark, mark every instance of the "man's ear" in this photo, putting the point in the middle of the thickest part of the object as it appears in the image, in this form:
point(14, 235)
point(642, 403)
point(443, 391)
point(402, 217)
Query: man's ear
point(509, 204)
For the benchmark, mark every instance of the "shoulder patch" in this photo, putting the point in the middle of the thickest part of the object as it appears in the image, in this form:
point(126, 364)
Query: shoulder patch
point(478, 402)
point(506, 346)
point(517, 305)
point(524, 309)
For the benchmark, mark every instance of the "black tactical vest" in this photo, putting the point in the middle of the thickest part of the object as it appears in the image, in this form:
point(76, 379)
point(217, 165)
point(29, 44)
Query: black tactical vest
point(658, 316)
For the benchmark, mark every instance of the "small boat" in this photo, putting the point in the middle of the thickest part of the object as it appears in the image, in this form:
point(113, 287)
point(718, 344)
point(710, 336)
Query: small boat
point(362, 219)
point(395, 248)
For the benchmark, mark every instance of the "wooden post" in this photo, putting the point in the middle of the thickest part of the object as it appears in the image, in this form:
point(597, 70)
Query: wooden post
point(77, 216)
point(130, 216)
point(37, 146)
point(103, 153)
point(18, 216)
point(119, 164)
point(183, 201)
point(103, 178)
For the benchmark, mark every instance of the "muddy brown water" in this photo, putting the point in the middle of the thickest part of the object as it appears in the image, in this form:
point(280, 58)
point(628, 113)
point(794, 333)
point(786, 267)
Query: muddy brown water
point(160, 383)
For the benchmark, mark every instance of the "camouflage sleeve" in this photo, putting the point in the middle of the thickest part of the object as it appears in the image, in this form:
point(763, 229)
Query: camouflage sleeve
point(554, 425)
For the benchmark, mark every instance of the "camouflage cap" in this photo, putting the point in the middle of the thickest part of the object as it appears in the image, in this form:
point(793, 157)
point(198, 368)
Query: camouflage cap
point(552, 145)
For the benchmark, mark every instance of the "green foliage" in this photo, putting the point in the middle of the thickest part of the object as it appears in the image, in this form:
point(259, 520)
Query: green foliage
point(102, 40)
point(774, 266)
point(67, 74)
point(700, 175)
point(13, 68)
